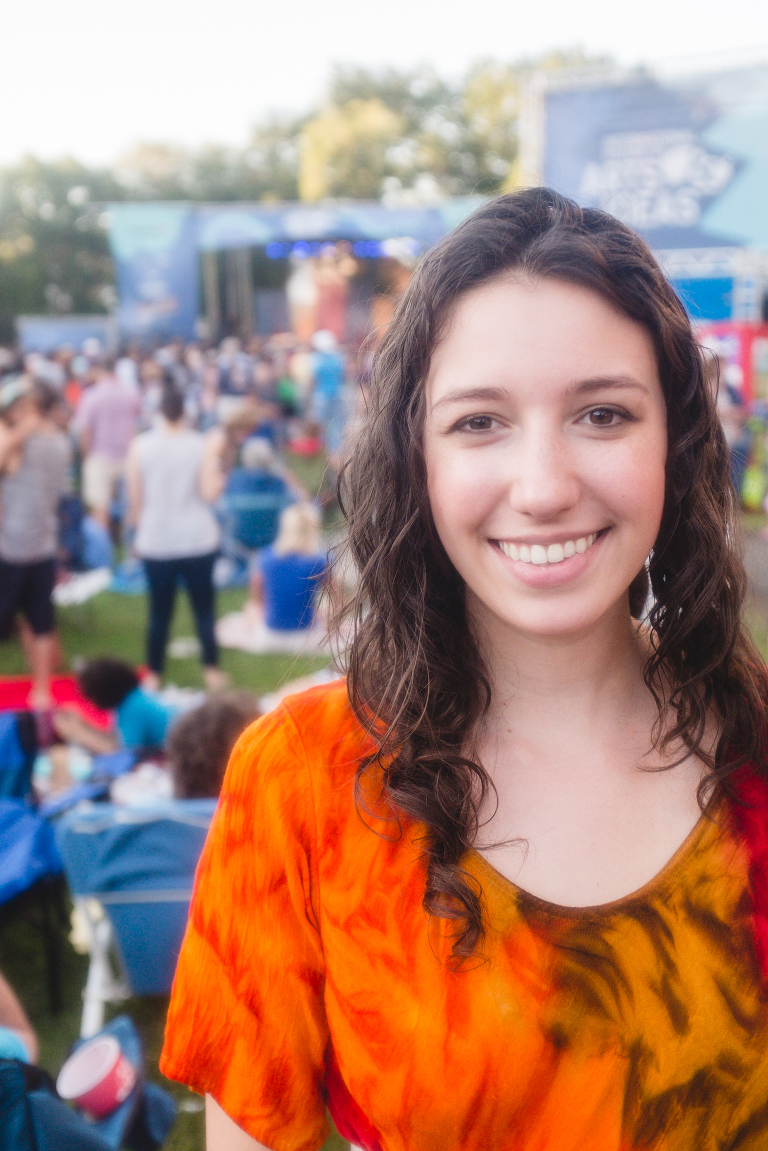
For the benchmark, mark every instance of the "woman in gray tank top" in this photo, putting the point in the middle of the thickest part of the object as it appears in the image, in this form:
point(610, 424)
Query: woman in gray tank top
point(174, 475)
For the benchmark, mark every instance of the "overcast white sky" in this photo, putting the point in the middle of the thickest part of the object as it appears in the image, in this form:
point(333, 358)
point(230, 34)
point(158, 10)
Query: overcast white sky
point(92, 77)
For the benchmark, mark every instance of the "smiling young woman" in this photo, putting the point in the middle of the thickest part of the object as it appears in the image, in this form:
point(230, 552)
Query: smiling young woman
point(551, 739)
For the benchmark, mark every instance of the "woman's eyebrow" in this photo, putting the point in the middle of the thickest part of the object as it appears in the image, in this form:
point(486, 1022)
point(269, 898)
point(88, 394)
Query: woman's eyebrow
point(487, 393)
point(500, 395)
point(596, 383)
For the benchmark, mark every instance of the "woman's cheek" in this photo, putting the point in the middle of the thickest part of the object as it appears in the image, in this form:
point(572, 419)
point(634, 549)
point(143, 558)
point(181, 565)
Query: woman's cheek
point(462, 494)
point(632, 482)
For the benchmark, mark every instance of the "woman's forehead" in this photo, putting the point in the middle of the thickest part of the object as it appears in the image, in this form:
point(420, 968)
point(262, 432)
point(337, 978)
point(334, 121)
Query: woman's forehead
point(510, 332)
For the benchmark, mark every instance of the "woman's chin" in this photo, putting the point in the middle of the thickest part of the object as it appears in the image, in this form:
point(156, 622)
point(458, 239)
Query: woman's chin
point(548, 621)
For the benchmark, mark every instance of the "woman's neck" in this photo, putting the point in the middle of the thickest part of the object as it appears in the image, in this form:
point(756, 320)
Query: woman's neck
point(579, 813)
point(568, 681)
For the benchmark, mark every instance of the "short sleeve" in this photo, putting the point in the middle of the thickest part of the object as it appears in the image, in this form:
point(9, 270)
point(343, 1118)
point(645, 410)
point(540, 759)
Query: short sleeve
point(247, 1022)
point(83, 420)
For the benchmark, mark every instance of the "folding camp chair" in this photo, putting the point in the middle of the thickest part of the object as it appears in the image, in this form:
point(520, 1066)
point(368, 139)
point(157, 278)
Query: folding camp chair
point(18, 745)
point(252, 503)
point(130, 871)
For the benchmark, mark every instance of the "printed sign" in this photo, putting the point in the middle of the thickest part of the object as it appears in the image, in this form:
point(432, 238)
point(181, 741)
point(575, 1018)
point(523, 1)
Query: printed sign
point(685, 163)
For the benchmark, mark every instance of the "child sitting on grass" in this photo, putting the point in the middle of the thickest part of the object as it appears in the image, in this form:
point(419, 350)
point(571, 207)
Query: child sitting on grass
point(141, 720)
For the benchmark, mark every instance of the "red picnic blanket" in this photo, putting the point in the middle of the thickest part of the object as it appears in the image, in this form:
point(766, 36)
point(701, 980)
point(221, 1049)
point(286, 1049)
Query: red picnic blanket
point(14, 693)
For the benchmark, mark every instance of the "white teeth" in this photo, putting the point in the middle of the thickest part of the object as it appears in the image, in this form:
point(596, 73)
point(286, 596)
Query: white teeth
point(553, 554)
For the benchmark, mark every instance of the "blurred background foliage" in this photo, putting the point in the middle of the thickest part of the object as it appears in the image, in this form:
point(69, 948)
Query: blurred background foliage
point(406, 137)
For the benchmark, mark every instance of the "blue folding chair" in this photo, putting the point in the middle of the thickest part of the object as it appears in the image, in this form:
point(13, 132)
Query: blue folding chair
point(130, 871)
point(252, 503)
point(18, 744)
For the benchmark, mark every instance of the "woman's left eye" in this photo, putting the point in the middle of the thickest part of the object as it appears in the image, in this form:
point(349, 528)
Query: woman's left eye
point(603, 417)
point(477, 424)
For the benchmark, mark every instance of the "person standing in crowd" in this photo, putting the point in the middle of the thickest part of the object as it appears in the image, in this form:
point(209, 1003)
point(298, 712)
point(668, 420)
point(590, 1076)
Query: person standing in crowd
point(732, 413)
point(106, 423)
point(327, 387)
point(34, 474)
point(174, 475)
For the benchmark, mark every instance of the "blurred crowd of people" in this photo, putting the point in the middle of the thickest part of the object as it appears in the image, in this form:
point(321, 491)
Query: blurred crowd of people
point(173, 460)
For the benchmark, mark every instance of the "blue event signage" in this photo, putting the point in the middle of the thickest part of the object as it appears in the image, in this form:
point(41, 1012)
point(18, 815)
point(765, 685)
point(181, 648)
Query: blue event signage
point(302, 228)
point(685, 162)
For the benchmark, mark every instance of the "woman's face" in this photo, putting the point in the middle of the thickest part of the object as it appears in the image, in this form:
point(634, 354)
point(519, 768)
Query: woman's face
point(545, 441)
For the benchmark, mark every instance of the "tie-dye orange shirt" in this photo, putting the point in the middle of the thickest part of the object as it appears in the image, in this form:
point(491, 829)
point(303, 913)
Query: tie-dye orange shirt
point(310, 977)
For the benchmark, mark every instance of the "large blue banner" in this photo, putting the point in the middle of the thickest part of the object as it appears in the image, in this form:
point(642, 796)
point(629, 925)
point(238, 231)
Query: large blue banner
point(156, 256)
point(683, 162)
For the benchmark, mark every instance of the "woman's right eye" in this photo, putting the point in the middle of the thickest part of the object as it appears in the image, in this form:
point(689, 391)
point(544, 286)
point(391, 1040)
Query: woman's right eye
point(476, 424)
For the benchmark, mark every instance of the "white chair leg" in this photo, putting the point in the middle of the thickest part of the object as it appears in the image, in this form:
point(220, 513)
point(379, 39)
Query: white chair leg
point(101, 986)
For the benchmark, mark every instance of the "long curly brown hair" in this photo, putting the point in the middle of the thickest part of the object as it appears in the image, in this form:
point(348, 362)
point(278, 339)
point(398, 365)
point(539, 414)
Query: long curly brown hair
point(415, 674)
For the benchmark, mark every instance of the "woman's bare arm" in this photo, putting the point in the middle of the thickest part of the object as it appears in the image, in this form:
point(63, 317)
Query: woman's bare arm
point(212, 477)
point(222, 1134)
point(133, 484)
point(12, 1016)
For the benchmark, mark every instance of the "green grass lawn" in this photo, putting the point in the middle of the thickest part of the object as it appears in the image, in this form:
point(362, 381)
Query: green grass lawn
point(115, 625)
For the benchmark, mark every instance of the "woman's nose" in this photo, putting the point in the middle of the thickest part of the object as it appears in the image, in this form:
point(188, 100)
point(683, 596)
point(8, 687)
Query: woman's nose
point(543, 477)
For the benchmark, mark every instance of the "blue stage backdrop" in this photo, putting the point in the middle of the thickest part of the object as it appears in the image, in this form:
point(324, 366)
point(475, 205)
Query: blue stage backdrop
point(156, 246)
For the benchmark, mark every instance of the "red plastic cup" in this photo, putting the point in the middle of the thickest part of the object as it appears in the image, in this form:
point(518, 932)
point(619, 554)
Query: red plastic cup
point(97, 1077)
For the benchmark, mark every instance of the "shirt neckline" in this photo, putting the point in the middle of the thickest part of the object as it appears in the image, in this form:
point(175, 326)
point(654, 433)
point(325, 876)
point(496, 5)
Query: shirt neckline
point(706, 825)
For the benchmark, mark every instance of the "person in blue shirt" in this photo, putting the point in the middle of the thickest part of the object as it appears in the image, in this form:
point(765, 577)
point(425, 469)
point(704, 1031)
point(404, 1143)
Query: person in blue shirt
point(291, 570)
point(327, 401)
point(141, 719)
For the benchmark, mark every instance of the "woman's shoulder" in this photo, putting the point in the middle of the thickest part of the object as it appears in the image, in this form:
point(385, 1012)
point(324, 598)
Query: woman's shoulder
point(316, 728)
point(325, 712)
point(318, 724)
point(143, 440)
point(298, 762)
